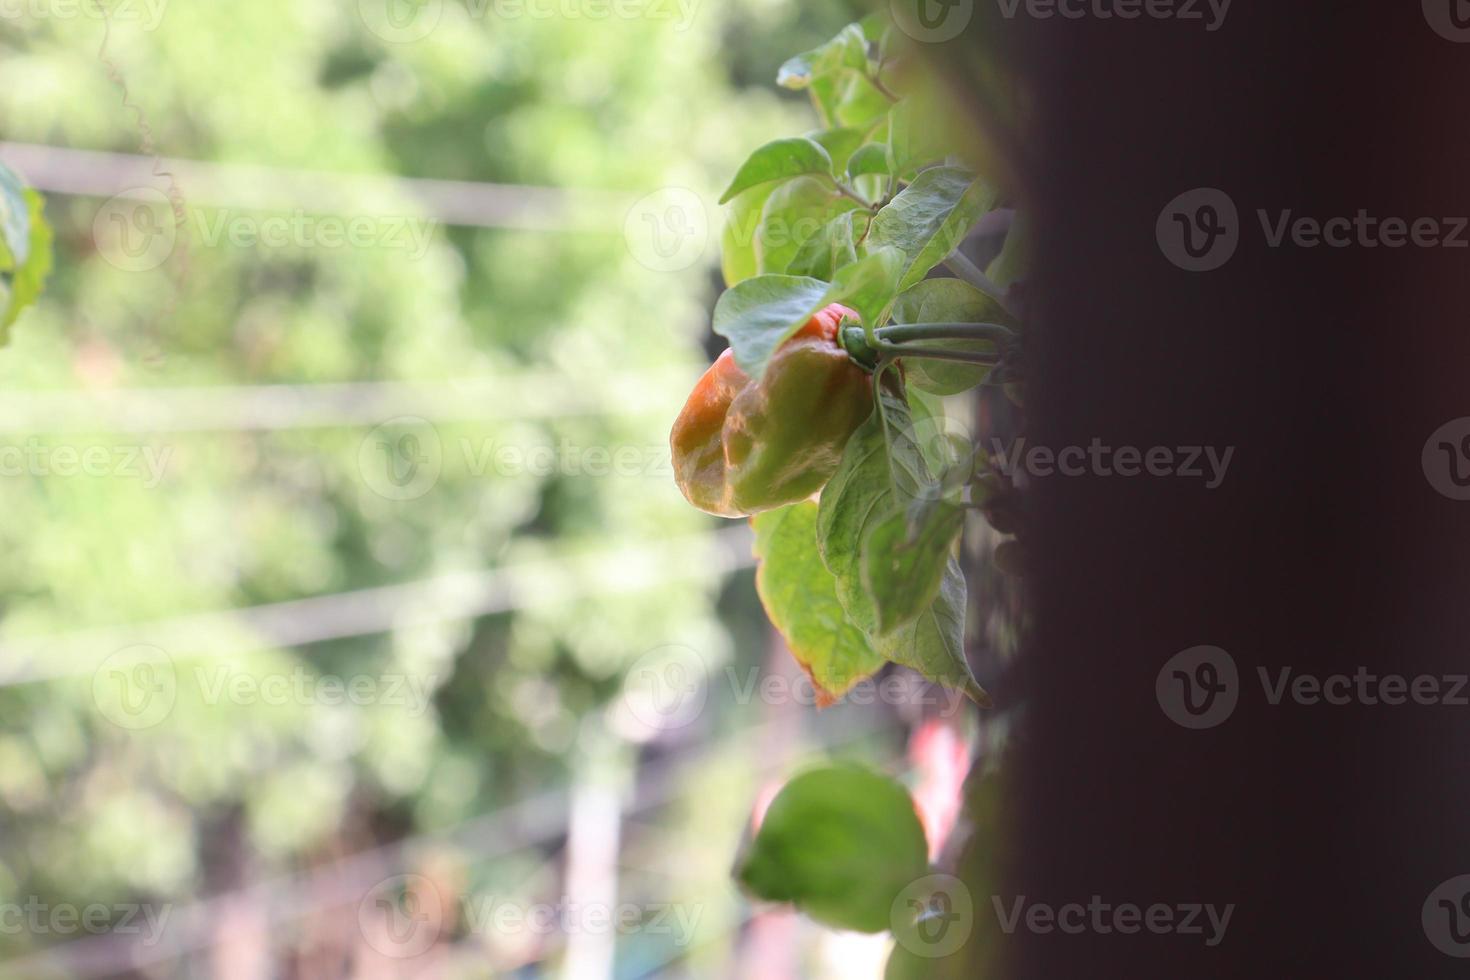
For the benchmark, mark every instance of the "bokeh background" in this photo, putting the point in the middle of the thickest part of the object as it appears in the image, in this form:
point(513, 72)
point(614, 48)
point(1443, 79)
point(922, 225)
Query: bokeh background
point(352, 623)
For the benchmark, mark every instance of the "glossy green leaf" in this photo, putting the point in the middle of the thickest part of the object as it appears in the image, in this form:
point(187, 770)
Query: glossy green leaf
point(779, 160)
point(929, 219)
point(869, 285)
point(947, 301)
point(917, 135)
point(1010, 265)
point(795, 211)
point(835, 246)
point(859, 497)
point(738, 260)
point(761, 312)
point(839, 144)
point(904, 558)
point(849, 98)
point(800, 597)
point(15, 220)
point(25, 249)
point(870, 158)
point(840, 843)
point(848, 50)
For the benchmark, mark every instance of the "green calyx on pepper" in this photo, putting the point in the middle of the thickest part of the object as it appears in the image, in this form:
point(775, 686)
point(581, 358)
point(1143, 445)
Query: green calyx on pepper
point(742, 446)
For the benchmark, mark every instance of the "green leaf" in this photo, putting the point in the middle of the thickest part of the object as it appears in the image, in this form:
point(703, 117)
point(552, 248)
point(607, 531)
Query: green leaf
point(761, 312)
point(848, 98)
point(929, 219)
point(839, 144)
point(738, 260)
point(858, 498)
point(904, 557)
point(848, 50)
point(25, 249)
point(870, 158)
point(840, 843)
point(1010, 265)
point(868, 285)
point(15, 220)
point(834, 247)
point(800, 597)
point(779, 160)
point(795, 211)
point(947, 301)
point(934, 644)
point(917, 136)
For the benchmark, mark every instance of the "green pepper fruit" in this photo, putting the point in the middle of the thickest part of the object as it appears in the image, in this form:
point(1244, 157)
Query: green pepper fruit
point(742, 446)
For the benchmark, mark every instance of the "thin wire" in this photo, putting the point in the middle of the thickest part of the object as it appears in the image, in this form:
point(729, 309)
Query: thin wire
point(242, 408)
point(92, 173)
point(445, 598)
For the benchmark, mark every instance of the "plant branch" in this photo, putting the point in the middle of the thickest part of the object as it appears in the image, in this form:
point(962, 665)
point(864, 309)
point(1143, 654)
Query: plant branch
point(937, 353)
point(971, 273)
point(993, 332)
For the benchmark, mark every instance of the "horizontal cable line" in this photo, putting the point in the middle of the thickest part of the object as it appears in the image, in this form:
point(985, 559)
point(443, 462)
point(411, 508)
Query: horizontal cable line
point(241, 408)
point(382, 609)
point(515, 826)
point(94, 173)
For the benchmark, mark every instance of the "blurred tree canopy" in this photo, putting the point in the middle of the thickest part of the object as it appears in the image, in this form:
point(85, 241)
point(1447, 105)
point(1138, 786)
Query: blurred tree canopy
point(570, 331)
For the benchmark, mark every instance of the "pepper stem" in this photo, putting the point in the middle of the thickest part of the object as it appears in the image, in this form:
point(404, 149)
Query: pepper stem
point(993, 332)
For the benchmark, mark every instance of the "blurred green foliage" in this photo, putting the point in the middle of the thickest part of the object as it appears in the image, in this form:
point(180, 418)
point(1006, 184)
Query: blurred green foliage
point(91, 810)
